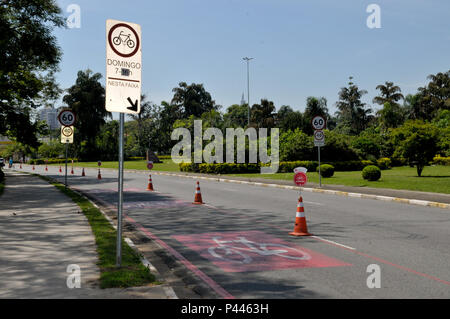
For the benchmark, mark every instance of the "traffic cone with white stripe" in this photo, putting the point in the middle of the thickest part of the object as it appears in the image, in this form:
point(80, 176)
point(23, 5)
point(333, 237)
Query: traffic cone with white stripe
point(99, 176)
point(82, 172)
point(300, 229)
point(71, 171)
point(46, 168)
point(150, 184)
point(33, 167)
point(198, 195)
point(60, 170)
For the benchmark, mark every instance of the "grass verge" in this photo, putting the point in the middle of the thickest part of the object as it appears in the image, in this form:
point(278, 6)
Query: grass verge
point(434, 179)
point(132, 273)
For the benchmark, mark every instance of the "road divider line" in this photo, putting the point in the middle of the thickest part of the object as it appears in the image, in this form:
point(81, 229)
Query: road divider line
point(333, 242)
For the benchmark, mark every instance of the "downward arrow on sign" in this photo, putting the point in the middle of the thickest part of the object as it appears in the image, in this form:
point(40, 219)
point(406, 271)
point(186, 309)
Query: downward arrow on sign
point(134, 106)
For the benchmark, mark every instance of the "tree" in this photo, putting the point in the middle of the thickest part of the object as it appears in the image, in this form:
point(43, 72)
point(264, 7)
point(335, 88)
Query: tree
point(292, 121)
point(236, 116)
point(435, 96)
point(193, 99)
point(390, 116)
point(352, 113)
point(146, 113)
point(389, 93)
point(416, 141)
point(29, 57)
point(314, 107)
point(263, 115)
point(87, 99)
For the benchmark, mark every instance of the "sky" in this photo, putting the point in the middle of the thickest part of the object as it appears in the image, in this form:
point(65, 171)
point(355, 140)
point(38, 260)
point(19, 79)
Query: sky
point(301, 48)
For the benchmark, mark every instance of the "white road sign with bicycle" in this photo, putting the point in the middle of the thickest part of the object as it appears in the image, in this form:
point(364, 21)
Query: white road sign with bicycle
point(123, 67)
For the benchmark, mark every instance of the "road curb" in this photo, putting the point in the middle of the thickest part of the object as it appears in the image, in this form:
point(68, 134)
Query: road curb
point(313, 190)
point(168, 290)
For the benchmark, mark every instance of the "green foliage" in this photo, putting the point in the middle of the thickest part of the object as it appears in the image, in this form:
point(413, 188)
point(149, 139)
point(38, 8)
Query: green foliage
point(51, 149)
point(438, 160)
point(371, 173)
point(384, 163)
point(29, 57)
point(87, 99)
point(192, 99)
point(326, 170)
point(417, 142)
point(353, 115)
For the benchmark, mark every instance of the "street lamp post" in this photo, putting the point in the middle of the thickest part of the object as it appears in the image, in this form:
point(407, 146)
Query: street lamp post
point(248, 87)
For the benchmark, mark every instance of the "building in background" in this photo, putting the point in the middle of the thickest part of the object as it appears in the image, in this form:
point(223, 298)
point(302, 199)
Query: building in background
point(50, 116)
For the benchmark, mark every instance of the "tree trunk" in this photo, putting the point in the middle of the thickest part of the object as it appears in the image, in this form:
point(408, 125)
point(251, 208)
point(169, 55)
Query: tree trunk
point(419, 170)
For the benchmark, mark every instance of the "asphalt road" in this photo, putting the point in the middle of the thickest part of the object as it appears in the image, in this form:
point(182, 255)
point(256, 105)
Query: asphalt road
point(238, 243)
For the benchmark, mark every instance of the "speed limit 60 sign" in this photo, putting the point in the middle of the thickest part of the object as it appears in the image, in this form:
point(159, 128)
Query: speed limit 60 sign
point(66, 118)
point(318, 123)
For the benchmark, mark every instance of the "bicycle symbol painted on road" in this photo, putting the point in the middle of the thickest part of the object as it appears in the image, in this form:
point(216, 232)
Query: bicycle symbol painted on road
point(228, 250)
point(253, 250)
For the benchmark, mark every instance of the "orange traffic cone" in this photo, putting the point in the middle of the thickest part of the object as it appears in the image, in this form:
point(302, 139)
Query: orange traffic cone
point(99, 176)
point(33, 167)
point(82, 172)
point(71, 171)
point(198, 195)
point(60, 170)
point(46, 169)
point(20, 165)
point(300, 228)
point(150, 184)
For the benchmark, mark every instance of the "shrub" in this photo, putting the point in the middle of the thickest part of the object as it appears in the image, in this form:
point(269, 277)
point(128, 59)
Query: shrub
point(371, 173)
point(384, 163)
point(326, 170)
point(438, 160)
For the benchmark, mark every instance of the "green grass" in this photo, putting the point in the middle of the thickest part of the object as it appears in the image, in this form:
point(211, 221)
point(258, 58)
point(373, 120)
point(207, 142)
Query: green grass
point(166, 165)
point(434, 179)
point(132, 273)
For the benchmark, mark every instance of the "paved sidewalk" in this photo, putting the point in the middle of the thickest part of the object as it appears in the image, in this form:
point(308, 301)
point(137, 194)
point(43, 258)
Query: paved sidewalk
point(42, 232)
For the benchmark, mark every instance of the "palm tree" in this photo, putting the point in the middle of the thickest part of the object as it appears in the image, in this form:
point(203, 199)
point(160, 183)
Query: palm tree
point(389, 93)
point(352, 112)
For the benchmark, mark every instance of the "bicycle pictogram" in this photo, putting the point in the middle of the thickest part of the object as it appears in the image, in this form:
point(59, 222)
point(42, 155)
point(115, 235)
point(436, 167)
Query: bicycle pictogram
point(125, 39)
point(226, 250)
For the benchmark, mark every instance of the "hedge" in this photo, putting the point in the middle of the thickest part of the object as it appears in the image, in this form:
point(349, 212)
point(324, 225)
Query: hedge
point(284, 167)
point(438, 160)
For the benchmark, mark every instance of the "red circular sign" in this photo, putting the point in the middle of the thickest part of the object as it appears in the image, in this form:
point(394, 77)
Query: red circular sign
point(99, 163)
point(300, 179)
point(149, 165)
point(116, 41)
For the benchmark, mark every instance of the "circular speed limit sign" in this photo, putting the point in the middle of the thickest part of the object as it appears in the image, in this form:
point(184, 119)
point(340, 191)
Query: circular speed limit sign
point(319, 136)
point(67, 131)
point(66, 118)
point(318, 123)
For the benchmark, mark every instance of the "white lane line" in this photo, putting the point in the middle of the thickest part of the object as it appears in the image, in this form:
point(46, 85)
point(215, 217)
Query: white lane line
point(333, 242)
point(314, 203)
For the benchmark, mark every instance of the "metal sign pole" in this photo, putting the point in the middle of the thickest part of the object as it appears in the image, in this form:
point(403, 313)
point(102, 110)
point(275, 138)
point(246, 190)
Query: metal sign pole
point(120, 205)
point(320, 176)
point(65, 177)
